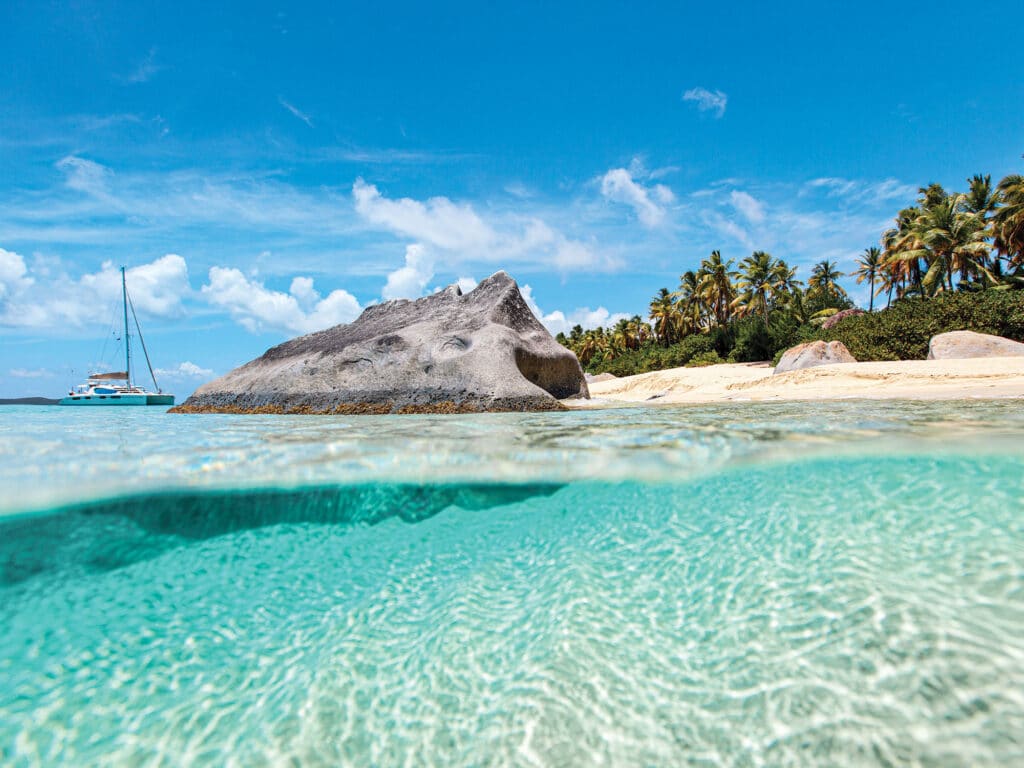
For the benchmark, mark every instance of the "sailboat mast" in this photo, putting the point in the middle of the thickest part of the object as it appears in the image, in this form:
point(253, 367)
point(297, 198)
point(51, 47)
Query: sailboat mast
point(142, 341)
point(127, 343)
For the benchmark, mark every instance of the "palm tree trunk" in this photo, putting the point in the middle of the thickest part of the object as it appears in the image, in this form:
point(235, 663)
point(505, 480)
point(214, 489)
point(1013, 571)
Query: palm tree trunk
point(871, 301)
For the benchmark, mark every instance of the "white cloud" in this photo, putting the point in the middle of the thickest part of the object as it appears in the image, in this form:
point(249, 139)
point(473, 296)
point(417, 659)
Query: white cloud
point(145, 69)
point(748, 206)
point(295, 111)
point(410, 281)
point(185, 370)
point(562, 322)
point(660, 173)
point(783, 221)
point(572, 254)
point(84, 175)
point(466, 284)
point(156, 288)
point(727, 227)
point(520, 190)
point(860, 190)
point(438, 221)
point(46, 300)
point(258, 308)
point(97, 205)
point(303, 291)
point(619, 186)
point(663, 193)
point(23, 373)
point(527, 294)
point(707, 101)
point(14, 277)
point(57, 301)
point(459, 234)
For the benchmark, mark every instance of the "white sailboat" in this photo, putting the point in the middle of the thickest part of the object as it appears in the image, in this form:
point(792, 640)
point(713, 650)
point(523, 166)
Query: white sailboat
point(116, 387)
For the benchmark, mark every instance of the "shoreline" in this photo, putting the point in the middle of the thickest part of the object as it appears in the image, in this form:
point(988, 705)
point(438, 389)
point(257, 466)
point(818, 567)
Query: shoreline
point(963, 379)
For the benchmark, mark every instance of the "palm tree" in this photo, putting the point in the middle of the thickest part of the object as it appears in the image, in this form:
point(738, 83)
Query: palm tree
point(952, 240)
point(716, 287)
point(931, 195)
point(588, 346)
point(762, 280)
point(889, 275)
point(868, 267)
point(639, 332)
point(824, 279)
point(1008, 221)
point(981, 199)
point(901, 249)
point(789, 281)
point(621, 336)
point(690, 303)
point(665, 315)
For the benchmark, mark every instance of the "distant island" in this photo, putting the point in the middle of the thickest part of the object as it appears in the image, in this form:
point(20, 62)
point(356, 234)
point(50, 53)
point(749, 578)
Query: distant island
point(28, 401)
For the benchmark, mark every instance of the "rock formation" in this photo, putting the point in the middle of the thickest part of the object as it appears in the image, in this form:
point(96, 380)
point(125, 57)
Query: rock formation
point(957, 345)
point(812, 354)
point(838, 317)
point(444, 353)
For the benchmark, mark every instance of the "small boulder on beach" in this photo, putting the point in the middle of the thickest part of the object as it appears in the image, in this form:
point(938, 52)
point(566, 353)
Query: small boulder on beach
point(812, 354)
point(958, 345)
point(445, 353)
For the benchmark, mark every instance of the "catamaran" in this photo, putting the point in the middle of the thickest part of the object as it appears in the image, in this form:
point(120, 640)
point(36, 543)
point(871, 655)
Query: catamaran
point(116, 387)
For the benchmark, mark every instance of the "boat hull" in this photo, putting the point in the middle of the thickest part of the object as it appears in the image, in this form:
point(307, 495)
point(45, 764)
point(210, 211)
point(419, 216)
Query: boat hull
point(133, 399)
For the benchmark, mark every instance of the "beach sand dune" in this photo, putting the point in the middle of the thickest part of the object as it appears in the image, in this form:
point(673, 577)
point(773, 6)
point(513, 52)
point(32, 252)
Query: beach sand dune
point(993, 377)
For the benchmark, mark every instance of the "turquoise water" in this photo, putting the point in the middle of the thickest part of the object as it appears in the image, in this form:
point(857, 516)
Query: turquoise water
point(840, 584)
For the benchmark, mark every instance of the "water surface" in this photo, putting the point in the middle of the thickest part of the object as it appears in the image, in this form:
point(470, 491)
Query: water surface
point(840, 584)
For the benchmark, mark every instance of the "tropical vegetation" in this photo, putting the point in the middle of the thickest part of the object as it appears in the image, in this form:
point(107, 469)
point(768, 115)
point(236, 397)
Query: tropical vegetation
point(903, 331)
point(946, 263)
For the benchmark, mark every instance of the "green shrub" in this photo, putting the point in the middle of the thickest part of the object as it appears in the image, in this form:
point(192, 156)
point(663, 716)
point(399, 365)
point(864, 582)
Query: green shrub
point(752, 341)
point(653, 357)
point(704, 359)
point(784, 330)
point(903, 331)
point(690, 347)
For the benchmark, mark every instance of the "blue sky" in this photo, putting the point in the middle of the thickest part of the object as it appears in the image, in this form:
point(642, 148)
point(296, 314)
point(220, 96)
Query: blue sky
point(265, 170)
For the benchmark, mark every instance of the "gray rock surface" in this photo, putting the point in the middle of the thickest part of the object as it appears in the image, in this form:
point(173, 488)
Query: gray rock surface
point(812, 354)
point(598, 378)
point(444, 353)
point(838, 317)
point(957, 345)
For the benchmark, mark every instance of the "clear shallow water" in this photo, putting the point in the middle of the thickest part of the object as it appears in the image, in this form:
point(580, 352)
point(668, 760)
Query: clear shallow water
point(51, 456)
point(754, 585)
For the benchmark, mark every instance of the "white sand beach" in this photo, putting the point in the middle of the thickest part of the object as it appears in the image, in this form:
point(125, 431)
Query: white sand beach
point(991, 377)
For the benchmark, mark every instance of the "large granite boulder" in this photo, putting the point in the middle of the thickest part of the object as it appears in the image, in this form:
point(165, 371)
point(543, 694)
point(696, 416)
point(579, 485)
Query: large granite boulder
point(445, 353)
point(812, 354)
point(957, 345)
point(838, 317)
